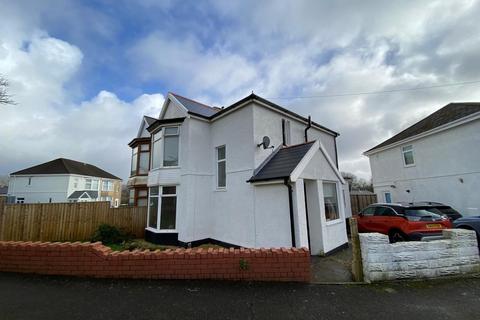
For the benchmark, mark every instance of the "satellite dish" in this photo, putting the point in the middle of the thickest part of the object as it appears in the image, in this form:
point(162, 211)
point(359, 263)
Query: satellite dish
point(265, 142)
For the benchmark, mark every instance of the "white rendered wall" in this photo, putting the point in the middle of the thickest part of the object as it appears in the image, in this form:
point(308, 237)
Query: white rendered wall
point(447, 170)
point(41, 189)
point(269, 123)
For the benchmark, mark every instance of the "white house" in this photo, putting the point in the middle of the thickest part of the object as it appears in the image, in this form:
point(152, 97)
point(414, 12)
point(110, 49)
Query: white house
point(253, 175)
point(64, 180)
point(436, 159)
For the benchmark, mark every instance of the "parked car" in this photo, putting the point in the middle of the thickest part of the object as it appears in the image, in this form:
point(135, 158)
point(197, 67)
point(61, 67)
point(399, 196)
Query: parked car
point(443, 208)
point(471, 223)
point(403, 221)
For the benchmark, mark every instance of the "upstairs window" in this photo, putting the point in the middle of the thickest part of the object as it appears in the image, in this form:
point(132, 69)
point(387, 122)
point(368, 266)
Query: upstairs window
point(221, 167)
point(170, 149)
point(140, 160)
point(408, 159)
point(88, 184)
point(156, 150)
point(107, 185)
point(286, 132)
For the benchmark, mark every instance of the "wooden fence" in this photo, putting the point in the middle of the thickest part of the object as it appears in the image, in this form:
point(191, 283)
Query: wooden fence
point(360, 201)
point(66, 221)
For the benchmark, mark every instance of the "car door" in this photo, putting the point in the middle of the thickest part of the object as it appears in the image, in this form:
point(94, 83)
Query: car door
point(364, 219)
point(384, 219)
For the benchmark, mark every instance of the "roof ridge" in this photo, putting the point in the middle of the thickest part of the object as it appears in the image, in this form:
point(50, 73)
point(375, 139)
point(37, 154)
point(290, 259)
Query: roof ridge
point(200, 103)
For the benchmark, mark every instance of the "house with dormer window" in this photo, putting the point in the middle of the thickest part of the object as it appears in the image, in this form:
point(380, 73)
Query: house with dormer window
point(253, 174)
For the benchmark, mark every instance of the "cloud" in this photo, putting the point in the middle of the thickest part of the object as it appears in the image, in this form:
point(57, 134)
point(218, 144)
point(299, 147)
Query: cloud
point(46, 123)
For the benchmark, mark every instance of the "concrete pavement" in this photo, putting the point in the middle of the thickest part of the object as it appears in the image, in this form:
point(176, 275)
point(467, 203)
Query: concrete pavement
point(42, 297)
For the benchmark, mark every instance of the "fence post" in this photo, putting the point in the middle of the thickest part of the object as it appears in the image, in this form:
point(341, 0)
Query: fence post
point(357, 267)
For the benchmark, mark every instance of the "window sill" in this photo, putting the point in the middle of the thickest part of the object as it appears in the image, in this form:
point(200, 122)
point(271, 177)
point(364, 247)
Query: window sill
point(163, 168)
point(334, 222)
point(409, 165)
point(161, 231)
point(220, 190)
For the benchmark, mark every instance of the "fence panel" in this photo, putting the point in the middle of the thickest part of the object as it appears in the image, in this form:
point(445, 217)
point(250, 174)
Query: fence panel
point(360, 201)
point(66, 221)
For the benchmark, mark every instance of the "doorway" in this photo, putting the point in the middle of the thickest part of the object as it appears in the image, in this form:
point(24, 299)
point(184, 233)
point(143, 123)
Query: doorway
point(314, 216)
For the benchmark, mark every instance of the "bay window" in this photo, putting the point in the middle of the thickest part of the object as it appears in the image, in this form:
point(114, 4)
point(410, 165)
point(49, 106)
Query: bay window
point(330, 200)
point(140, 159)
point(170, 149)
point(156, 149)
point(162, 208)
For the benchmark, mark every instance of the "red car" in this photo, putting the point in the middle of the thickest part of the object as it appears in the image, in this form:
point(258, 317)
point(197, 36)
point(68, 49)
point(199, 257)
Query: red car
point(403, 222)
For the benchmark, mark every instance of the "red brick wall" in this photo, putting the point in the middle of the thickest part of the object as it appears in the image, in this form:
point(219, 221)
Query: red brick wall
point(96, 260)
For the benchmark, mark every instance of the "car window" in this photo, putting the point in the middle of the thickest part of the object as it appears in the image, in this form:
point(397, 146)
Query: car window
point(368, 211)
point(421, 213)
point(384, 211)
point(447, 210)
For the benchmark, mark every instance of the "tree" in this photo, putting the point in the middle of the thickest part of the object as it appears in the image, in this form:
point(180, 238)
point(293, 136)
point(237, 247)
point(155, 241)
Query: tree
point(358, 183)
point(5, 98)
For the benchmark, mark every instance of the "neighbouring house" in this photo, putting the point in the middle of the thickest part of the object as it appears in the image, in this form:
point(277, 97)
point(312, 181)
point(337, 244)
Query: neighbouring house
point(64, 180)
point(140, 165)
point(253, 174)
point(436, 159)
point(3, 191)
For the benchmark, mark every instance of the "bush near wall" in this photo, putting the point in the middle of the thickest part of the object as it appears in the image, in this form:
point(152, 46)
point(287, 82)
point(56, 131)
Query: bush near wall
point(96, 260)
point(457, 254)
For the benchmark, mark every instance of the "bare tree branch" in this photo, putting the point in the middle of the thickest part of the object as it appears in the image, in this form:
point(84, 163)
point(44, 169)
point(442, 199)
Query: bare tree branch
point(5, 98)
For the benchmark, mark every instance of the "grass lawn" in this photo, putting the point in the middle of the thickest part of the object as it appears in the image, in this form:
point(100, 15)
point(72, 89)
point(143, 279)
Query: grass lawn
point(141, 244)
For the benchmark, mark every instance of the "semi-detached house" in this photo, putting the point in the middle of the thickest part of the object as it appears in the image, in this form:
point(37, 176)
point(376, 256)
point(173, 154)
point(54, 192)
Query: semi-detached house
point(253, 174)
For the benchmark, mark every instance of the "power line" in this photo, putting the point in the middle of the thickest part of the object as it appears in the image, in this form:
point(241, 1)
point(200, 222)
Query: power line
point(379, 92)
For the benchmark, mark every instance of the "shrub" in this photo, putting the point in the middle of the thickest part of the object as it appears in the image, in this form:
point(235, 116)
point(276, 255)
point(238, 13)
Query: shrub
point(108, 234)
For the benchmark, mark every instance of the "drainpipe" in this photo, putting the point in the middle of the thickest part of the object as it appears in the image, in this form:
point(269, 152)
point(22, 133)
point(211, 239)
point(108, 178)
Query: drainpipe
point(284, 143)
point(308, 127)
point(290, 204)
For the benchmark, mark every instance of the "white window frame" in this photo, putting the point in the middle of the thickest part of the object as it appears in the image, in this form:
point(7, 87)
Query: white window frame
point(164, 129)
point(159, 209)
point(406, 151)
point(287, 133)
point(217, 162)
point(337, 189)
point(152, 148)
point(89, 183)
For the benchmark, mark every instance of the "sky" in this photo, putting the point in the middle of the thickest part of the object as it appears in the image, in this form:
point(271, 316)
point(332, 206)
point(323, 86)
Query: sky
point(84, 72)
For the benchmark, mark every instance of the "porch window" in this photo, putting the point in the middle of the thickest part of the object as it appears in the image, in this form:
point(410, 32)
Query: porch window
point(408, 159)
point(221, 167)
point(162, 208)
point(170, 149)
point(331, 201)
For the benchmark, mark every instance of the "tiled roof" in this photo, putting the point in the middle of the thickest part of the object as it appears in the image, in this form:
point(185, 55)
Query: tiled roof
point(282, 163)
point(447, 114)
point(66, 166)
point(196, 107)
point(76, 194)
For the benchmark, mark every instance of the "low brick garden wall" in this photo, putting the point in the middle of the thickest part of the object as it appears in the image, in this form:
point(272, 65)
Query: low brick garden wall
point(96, 260)
point(456, 254)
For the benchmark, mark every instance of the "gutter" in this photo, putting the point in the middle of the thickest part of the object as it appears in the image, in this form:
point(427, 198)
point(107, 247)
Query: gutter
point(290, 204)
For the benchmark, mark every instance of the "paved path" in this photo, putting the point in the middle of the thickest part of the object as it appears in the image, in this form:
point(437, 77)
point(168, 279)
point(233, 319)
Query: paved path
point(41, 297)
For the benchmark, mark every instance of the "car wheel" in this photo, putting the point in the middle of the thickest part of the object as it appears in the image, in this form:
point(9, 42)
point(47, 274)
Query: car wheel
point(397, 236)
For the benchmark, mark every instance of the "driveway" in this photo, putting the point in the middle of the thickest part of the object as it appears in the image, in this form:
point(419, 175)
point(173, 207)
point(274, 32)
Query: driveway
point(42, 297)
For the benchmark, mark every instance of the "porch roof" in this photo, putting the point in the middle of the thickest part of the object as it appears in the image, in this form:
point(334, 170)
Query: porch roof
point(282, 163)
point(77, 194)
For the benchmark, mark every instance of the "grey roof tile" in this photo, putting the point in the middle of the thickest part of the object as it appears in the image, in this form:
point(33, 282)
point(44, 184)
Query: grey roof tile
point(447, 114)
point(67, 166)
point(282, 164)
point(76, 194)
point(196, 107)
